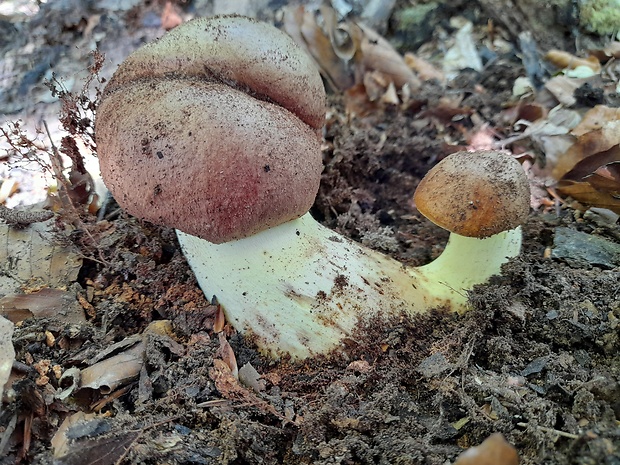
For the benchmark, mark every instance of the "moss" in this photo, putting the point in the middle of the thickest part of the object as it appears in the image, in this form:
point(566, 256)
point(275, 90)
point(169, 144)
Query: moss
point(601, 16)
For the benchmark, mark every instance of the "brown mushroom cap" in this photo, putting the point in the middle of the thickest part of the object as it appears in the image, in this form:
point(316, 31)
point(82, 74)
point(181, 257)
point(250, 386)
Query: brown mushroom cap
point(205, 154)
point(254, 57)
point(475, 194)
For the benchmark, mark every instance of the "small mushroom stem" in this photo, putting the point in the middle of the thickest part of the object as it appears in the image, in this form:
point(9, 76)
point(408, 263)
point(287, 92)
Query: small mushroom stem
point(300, 288)
point(468, 261)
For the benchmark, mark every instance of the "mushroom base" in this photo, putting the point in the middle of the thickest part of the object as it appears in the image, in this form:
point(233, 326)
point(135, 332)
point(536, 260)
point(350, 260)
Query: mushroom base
point(299, 289)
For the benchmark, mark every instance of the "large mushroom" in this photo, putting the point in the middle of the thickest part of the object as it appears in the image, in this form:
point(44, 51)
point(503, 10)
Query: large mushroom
point(188, 141)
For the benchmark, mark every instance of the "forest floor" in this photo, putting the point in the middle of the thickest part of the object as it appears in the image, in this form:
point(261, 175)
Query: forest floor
point(535, 359)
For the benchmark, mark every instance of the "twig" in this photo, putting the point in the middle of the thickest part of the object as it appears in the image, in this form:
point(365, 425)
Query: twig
point(23, 218)
point(551, 430)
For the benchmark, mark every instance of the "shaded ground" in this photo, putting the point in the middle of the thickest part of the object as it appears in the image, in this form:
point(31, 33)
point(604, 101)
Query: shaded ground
point(536, 359)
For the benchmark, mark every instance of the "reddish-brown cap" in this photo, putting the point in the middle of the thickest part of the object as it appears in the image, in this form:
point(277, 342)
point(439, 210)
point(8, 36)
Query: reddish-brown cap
point(202, 151)
point(475, 194)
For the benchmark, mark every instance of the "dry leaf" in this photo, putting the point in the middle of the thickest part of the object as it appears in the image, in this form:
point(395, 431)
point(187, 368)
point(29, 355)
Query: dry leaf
point(8, 188)
point(357, 102)
point(561, 59)
point(463, 54)
point(44, 303)
point(597, 118)
point(78, 449)
point(347, 51)
point(34, 256)
point(249, 377)
point(587, 194)
point(230, 388)
point(426, 71)
point(374, 53)
point(611, 50)
point(60, 441)
point(116, 371)
point(494, 450)
point(228, 355)
point(220, 320)
point(7, 353)
point(604, 139)
point(589, 171)
point(302, 26)
point(563, 87)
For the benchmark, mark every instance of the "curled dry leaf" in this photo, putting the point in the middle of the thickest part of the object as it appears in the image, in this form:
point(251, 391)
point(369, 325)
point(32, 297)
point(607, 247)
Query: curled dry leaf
point(565, 60)
point(348, 52)
point(611, 50)
point(494, 450)
point(118, 370)
point(301, 24)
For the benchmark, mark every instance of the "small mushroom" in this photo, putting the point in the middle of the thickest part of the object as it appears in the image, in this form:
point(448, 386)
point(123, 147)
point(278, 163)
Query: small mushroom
point(482, 198)
point(475, 194)
point(233, 165)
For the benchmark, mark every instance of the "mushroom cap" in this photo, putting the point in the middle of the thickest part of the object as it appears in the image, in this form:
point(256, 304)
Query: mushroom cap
point(194, 147)
point(475, 194)
point(254, 57)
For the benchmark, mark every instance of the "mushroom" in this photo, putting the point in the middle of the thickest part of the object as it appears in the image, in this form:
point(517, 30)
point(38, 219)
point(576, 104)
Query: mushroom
point(214, 129)
point(235, 170)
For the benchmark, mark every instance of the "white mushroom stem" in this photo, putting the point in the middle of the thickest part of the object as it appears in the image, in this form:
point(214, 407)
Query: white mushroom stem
point(300, 288)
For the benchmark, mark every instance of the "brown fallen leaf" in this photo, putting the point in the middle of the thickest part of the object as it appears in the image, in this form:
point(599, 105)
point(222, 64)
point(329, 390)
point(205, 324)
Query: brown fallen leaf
point(100, 451)
point(611, 50)
point(44, 303)
point(565, 60)
point(60, 441)
point(425, 70)
point(118, 370)
point(375, 53)
point(302, 26)
point(563, 87)
point(589, 170)
point(597, 118)
point(228, 355)
point(588, 194)
point(220, 320)
point(494, 450)
point(347, 51)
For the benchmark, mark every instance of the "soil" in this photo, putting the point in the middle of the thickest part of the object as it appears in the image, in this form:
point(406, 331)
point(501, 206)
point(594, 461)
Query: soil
point(536, 358)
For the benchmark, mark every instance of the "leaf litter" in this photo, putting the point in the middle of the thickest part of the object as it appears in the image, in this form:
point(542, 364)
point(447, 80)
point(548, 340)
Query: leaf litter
point(369, 403)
